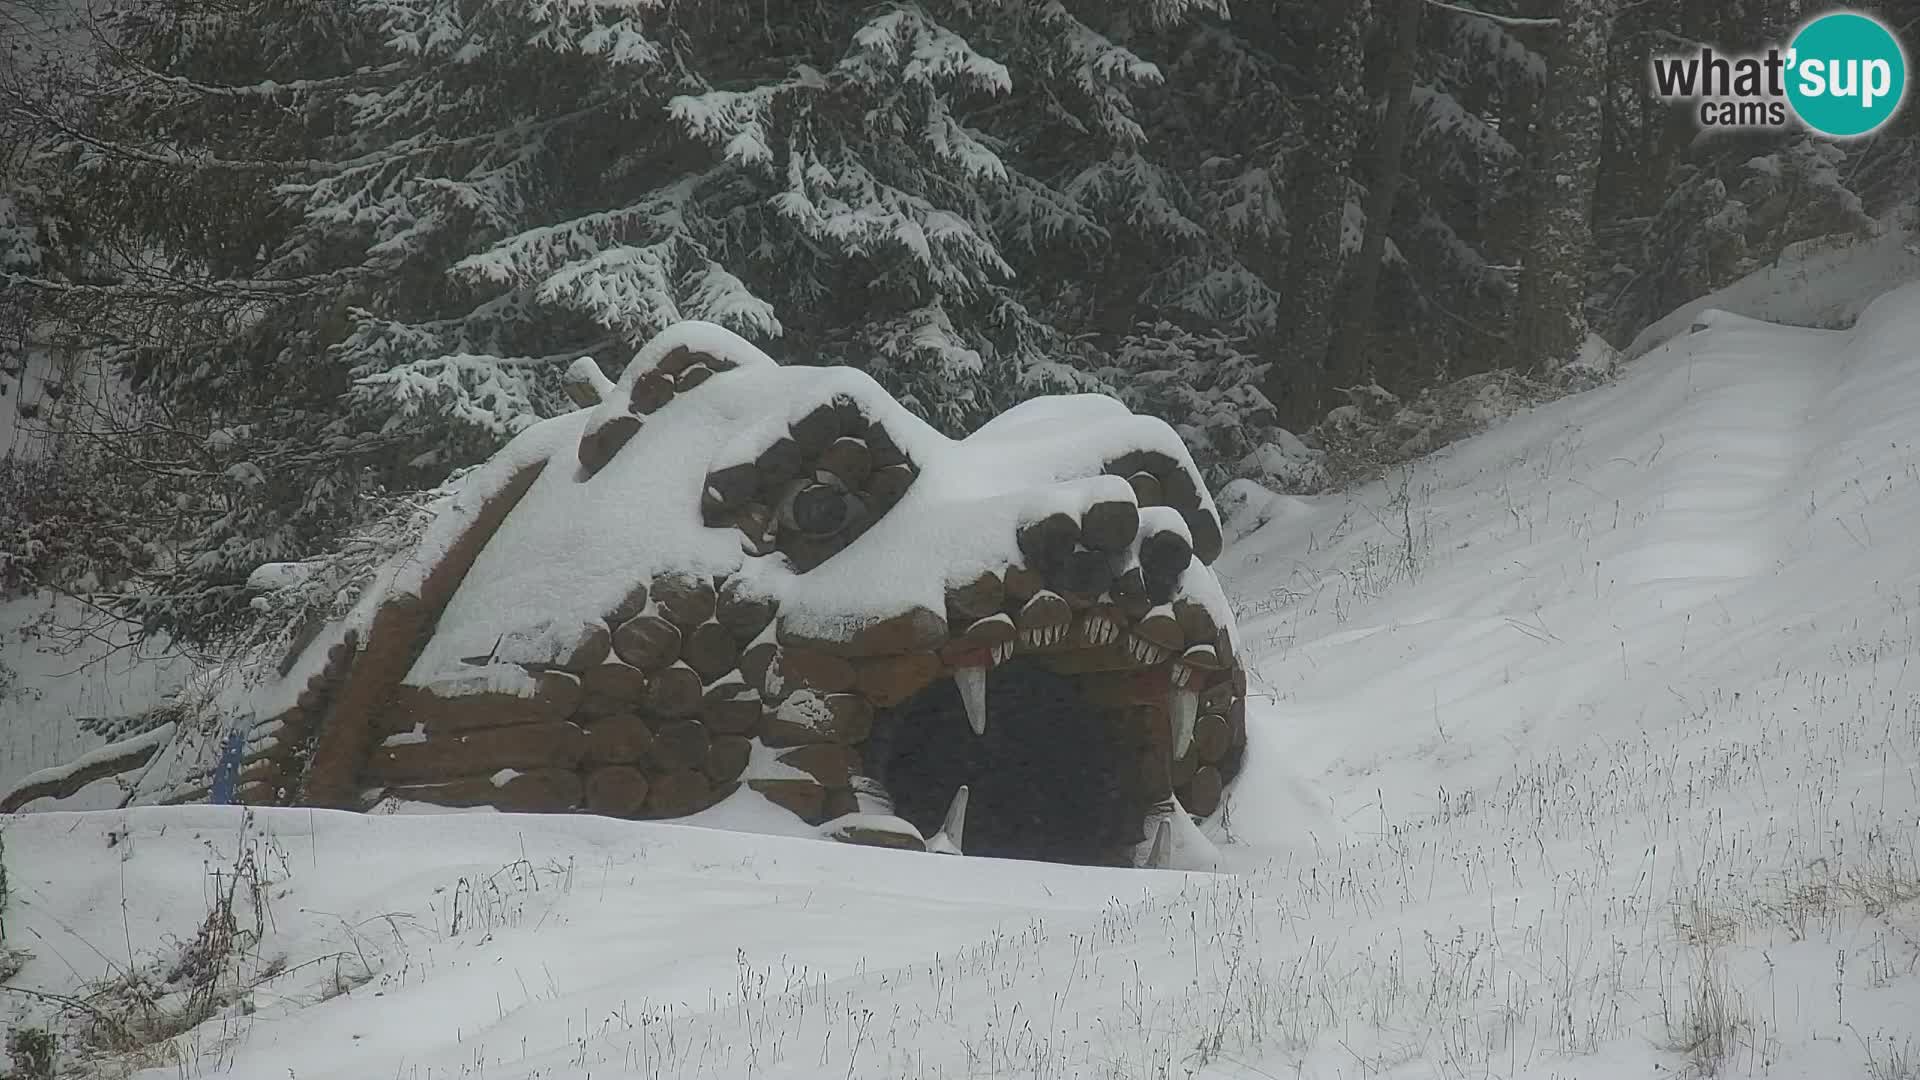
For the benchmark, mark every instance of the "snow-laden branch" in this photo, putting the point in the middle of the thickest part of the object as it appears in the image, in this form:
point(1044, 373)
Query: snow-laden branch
point(1503, 20)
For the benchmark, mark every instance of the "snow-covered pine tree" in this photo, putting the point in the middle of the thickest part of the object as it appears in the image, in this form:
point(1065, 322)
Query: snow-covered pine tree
point(1322, 174)
point(1681, 213)
point(1209, 386)
point(354, 242)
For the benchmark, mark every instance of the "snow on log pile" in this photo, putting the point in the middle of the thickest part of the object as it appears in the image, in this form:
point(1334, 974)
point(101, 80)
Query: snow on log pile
point(722, 580)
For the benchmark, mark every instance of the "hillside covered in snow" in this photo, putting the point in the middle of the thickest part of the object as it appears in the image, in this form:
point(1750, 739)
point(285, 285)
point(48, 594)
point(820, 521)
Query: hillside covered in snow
point(1586, 747)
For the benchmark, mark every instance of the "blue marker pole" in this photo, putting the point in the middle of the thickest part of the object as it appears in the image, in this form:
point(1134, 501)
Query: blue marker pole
point(228, 769)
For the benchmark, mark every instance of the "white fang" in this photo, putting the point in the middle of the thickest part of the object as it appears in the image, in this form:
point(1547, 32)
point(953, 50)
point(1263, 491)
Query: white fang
point(1162, 846)
point(952, 834)
point(973, 694)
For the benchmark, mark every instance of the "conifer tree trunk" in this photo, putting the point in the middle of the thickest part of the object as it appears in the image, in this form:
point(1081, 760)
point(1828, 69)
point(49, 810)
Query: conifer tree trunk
point(1389, 146)
point(1553, 286)
point(1319, 180)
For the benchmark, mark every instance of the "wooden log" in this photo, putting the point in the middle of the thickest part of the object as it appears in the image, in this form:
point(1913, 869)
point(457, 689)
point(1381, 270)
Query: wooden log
point(976, 599)
point(710, 651)
point(1146, 489)
point(800, 720)
point(617, 791)
point(1216, 697)
point(1110, 526)
point(630, 605)
point(675, 690)
point(677, 360)
point(341, 747)
point(1196, 622)
point(617, 740)
point(598, 445)
point(887, 485)
point(814, 432)
point(821, 671)
point(692, 377)
point(849, 459)
point(829, 763)
point(1201, 656)
point(758, 661)
point(612, 689)
point(731, 707)
point(1207, 538)
point(779, 463)
point(996, 628)
point(1046, 543)
point(648, 642)
point(651, 391)
point(1212, 737)
point(915, 630)
point(758, 536)
point(880, 443)
point(840, 803)
point(552, 644)
point(1165, 554)
point(804, 799)
point(727, 757)
point(1021, 584)
point(580, 387)
point(556, 744)
point(1203, 791)
point(678, 793)
point(1084, 575)
point(1182, 491)
point(684, 599)
point(1045, 610)
point(890, 680)
point(1161, 628)
point(1130, 594)
point(680, 744)
point(1153, 461)
point(743, 610)
point(454, 705)
point(852, 717)
point(733, 486)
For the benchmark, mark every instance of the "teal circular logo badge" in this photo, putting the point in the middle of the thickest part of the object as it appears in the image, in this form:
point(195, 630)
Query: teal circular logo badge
point(1846, 74)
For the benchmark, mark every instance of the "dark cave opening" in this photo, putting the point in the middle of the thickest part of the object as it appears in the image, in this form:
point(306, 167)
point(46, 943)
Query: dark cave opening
point(1054, 778)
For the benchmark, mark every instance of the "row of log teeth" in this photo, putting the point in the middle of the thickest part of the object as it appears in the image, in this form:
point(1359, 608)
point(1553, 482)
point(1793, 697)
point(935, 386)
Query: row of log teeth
point(1127, 609)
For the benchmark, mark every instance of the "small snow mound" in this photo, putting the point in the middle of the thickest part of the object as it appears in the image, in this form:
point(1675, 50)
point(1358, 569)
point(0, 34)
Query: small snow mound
point(1596, 358)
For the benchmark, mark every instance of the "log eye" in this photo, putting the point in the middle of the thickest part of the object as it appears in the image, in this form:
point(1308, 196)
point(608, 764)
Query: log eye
point(810, 493)
point(819, 509)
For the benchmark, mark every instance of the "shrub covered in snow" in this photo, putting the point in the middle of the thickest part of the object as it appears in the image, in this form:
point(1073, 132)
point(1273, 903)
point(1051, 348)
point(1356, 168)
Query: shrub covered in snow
point(68, 522)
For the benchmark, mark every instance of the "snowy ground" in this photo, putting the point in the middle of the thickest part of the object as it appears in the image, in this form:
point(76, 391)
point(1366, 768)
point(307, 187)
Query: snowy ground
point(1589, 749)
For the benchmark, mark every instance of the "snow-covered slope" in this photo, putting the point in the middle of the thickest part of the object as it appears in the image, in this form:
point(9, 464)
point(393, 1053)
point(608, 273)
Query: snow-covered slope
point(61, 662)
point(1589, 749)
